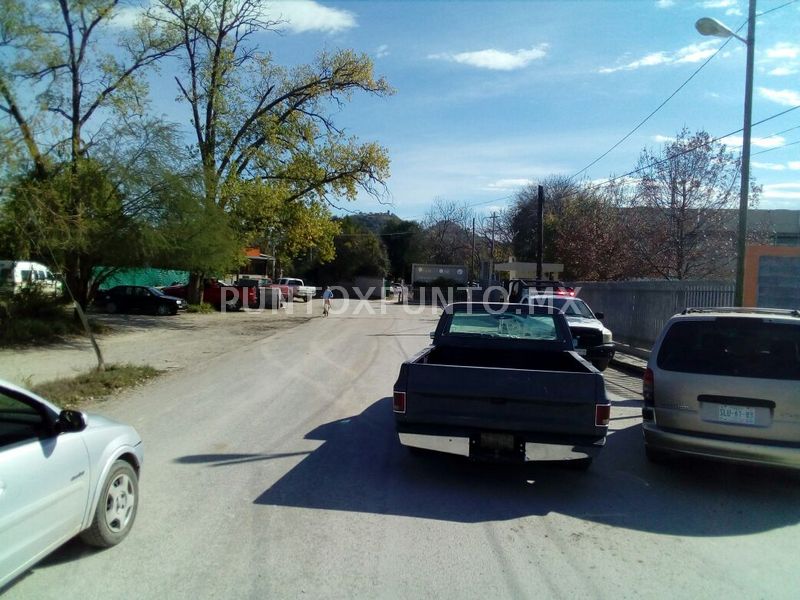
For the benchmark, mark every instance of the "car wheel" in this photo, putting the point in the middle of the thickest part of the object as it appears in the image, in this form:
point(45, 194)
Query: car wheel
point(162, 310)
point(116, 508)
point(174, 310)
point(111, 307)
point(600, 365)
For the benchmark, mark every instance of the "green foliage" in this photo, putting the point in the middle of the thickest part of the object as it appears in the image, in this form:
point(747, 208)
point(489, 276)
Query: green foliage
point(203, 308)
point(359, 252)
point(74, 392)
point(404, 241)
point(30, 316)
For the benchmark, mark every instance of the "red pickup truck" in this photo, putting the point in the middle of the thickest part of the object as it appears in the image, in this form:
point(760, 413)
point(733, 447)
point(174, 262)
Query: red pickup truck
point(217, 293)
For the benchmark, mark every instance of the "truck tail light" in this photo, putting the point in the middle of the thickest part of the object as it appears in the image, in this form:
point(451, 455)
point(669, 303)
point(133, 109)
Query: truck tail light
point(399, 402)
point(602, 415)
point(648, 387)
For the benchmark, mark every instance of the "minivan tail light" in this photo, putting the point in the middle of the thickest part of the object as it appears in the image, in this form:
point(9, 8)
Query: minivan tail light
point(648, 387)
point(602, 415)
point(399, 402)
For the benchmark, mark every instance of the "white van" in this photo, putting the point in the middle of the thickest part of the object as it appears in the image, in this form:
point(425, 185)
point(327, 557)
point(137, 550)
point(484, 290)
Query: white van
point(17, 274)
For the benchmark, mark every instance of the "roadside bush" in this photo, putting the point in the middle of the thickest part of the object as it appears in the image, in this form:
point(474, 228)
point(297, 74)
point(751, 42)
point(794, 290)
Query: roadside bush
point(202, 308)
point(31, 316)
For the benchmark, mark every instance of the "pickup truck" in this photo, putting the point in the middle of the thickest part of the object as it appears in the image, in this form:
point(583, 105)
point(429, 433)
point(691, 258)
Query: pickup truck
point(218, 293)
point(299, 289)
point(501, 382)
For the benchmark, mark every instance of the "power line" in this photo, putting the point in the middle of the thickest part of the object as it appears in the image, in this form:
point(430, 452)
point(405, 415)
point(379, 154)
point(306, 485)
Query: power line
point(766, 12)
point(658, 108)
point(687, 151)
point(775, 148)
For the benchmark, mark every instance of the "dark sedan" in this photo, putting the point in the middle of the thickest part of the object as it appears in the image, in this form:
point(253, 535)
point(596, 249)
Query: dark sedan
point(138, 299)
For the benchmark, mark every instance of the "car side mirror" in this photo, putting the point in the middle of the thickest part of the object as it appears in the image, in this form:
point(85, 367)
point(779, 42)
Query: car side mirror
point(432, 334)
point(599, 315)
point(71, 421)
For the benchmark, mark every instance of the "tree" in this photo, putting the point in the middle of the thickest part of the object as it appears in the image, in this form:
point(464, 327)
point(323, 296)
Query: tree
point(359, 252)
point(523, 219)
point(254, 121)
point(448, 232)
point(404, 242)
point(677, 228)
point(84, 94)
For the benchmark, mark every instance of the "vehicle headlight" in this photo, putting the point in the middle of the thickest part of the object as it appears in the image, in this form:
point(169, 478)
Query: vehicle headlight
point(607, 337)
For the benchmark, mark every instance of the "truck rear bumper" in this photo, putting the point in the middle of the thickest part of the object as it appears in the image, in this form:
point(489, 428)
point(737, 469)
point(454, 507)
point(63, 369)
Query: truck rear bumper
point(526, 447)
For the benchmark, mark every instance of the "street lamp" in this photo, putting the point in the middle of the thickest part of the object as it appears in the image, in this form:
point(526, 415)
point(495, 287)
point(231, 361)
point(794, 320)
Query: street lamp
point(708, 26)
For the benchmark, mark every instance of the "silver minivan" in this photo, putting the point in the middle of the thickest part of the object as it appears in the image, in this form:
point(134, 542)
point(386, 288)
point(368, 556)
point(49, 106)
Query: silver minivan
point(725, 384)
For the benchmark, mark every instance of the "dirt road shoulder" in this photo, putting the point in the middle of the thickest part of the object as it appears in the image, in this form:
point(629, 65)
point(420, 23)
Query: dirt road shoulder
point(166, 343)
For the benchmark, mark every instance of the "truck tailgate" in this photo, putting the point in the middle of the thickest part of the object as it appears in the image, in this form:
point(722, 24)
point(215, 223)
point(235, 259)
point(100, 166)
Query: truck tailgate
point(503, 399)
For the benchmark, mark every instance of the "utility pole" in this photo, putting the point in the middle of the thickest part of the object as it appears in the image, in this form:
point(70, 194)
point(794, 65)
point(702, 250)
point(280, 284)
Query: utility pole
point(472, 256)
point(491, 252)
point(540, 234)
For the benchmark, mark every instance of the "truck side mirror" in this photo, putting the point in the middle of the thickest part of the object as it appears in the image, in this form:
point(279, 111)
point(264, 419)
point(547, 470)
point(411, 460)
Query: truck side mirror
point(599, 315)
point(432, 334)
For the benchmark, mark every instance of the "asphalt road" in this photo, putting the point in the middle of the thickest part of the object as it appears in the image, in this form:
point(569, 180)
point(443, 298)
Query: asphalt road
point(272, 471)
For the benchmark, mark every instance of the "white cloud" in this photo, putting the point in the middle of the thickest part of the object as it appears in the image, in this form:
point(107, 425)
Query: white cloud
point(307, 15)
point(508, 184)
point(689, 54)
point(382, 50)
point(497, 60)
point(782, 71)
point(783, 50)
point(734, 12)
point(781, 191)
point(297, 16)
point(794, 165)
point(719, 4)
point(768, 166)
point(126, 17)
point(773, 141)
point(663, 139)
point(665, 3)
point(785, 97)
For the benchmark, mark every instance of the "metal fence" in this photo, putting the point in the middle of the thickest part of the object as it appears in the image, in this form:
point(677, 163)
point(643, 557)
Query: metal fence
point(635, 311)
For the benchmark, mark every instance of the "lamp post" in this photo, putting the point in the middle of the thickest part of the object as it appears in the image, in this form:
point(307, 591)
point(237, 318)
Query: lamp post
point(707, 26)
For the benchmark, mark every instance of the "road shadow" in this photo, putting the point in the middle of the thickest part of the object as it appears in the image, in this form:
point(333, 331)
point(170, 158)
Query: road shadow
point(362, 467)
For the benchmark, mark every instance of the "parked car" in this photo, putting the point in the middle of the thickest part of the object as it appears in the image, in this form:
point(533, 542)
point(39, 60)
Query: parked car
point(16, 275)
point(299, 289)
point(501, 382)
point(218, 293)
point(138, 299)
point(592, 339)
point(520, 289)
point(723, 384)
point(268, 294)
point(63, 473)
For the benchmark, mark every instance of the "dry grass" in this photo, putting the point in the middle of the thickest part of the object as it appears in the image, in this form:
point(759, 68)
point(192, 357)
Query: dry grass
point(95, 385)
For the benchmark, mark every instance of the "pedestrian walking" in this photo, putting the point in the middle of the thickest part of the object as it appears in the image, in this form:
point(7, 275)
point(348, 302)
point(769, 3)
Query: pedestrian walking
point(326, 301)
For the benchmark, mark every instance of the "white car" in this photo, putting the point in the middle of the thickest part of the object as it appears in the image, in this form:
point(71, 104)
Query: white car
point(62, 473)
point(299, 289)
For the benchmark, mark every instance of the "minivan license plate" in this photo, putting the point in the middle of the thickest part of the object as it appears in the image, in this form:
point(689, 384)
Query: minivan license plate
point(743, 415)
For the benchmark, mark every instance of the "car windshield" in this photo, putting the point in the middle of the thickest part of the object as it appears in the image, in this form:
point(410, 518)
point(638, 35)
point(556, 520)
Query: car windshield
point(734, 347)
point(155, 291)
point(572, 307)
point(504, 325)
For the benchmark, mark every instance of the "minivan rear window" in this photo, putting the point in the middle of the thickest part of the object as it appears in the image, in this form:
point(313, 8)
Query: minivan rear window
point(733, 347)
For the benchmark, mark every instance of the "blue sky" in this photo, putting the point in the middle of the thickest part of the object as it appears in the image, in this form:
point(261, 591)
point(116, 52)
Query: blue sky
point(493, 94)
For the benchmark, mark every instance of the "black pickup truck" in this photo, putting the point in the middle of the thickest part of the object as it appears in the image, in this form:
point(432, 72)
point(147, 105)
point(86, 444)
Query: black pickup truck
point(501, 382)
